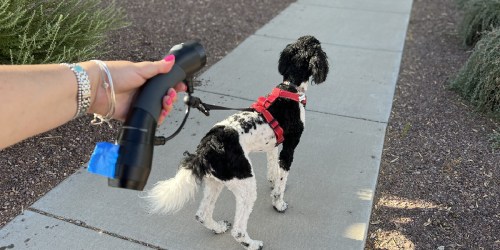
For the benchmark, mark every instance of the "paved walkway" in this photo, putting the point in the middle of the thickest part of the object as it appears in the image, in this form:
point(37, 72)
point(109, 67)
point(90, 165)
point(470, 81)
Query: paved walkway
point(333, 178)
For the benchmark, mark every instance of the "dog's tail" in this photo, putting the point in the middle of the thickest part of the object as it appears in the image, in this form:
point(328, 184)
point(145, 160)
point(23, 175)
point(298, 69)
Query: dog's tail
point(169, 196)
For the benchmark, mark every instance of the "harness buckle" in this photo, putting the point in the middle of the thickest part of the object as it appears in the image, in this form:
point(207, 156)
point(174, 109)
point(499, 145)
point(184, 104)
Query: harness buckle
point(264, 102)
point(273, 123)
point(267, 104)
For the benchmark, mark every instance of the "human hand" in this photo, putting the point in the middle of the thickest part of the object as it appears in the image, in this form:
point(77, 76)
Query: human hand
point(127, 78)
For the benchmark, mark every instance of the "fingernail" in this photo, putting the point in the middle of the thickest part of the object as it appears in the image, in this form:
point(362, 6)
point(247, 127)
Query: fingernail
point(169, 101)
point(172, 94)
point(183, 88)
point(169, 58)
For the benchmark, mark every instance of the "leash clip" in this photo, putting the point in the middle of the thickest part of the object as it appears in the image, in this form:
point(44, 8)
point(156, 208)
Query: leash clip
point(203, 109)
point(195, 102)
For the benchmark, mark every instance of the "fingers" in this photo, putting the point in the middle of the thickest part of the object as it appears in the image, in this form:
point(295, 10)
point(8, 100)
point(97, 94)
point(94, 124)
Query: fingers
point(164, 114)
point(167, 103)
point(170, 98)
point(180, 87)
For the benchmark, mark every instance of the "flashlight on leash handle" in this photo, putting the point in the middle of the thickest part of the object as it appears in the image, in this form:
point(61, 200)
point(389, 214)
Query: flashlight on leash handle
point(137, 135)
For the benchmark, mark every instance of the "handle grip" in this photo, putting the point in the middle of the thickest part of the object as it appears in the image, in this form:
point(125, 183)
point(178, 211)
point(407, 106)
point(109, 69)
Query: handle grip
point(152, 92)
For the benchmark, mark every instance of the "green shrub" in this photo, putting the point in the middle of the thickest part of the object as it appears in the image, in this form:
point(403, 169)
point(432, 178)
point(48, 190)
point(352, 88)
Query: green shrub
point(495, 140)
point(53, 31)
point(461, 3)
point(479, 16)
point(479, 79)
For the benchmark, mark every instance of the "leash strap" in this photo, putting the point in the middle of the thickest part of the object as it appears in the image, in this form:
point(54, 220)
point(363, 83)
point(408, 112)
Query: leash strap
point(195, 102)
point(216, 107)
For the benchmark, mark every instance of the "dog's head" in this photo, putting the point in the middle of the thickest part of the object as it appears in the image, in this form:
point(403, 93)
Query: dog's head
point(302, 59)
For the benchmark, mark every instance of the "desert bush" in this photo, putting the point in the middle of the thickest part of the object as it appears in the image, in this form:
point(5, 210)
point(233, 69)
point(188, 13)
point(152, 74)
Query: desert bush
point(479, 79)
point(495, 140)
point(461, 3)
point(479, 16)
point(52, 31)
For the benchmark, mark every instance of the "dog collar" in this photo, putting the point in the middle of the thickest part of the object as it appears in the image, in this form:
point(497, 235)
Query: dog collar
point(302, 95)
point(263, 103)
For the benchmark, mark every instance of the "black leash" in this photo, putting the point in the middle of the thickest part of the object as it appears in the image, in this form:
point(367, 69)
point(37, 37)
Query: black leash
point(194, 102)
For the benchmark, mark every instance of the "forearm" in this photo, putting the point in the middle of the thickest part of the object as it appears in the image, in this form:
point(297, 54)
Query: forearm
point(37, 98)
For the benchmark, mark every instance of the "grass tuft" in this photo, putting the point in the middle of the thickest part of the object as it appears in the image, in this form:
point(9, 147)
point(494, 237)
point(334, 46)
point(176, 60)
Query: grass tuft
point(54, 31)
point(480, 16)
point(495, 140)
point(478, 81)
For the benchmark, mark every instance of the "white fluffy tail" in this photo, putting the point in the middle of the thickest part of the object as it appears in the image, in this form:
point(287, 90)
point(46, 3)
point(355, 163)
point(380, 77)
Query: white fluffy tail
point(169, 196)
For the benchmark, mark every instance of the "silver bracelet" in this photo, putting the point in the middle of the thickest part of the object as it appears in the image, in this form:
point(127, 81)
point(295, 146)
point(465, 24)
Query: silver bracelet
point(106, 74)
point(83, 91)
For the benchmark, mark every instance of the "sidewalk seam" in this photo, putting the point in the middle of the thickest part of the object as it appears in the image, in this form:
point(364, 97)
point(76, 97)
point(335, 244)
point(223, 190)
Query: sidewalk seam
point(350, 8)
point(85, 225)
point(334, 44)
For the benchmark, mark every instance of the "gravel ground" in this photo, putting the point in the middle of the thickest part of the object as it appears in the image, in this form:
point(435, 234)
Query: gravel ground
point(30, 169)
point(439, 181)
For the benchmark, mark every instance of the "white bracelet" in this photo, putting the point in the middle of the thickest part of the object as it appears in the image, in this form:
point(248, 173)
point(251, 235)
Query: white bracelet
point(83, 91)
point(99, 119)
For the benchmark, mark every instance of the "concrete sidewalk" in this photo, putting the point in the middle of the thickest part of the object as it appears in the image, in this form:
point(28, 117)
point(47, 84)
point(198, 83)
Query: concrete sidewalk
point(333, 177)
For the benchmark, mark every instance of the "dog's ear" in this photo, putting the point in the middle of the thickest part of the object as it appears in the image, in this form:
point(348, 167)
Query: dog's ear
point(285, 59)
point(318, 65)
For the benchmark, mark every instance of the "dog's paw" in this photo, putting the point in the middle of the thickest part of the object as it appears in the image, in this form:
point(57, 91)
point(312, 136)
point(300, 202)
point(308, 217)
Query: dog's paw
point(253, 245)
point(245, 241)
point(280, 206)
point(221, 227)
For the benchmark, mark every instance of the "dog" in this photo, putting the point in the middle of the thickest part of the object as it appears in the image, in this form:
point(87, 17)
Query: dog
point(221, 159)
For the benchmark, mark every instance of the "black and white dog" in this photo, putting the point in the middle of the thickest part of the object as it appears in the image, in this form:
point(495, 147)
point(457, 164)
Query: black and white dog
point(221, 158)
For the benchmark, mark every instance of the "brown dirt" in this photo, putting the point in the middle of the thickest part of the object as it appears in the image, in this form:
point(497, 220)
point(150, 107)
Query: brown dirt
point(439, 181)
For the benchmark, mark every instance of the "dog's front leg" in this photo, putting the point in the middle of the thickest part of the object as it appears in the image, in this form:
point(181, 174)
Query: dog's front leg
point(272, 166)
point(278, 191)
point(285, 162)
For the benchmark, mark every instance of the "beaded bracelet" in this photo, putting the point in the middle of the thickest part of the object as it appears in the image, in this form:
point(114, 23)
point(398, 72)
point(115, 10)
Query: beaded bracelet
point(83, 92)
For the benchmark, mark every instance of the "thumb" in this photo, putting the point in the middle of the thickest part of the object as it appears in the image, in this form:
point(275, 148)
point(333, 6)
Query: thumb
point(150, 69)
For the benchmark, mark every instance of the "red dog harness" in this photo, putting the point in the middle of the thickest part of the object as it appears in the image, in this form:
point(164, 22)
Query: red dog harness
point(263, 103)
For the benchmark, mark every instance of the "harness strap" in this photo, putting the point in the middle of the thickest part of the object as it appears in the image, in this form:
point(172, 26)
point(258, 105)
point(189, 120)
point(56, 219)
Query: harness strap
point(263, 103)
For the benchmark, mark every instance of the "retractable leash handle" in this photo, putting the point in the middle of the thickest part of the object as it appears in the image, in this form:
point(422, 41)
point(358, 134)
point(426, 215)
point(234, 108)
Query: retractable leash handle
point(137, 136)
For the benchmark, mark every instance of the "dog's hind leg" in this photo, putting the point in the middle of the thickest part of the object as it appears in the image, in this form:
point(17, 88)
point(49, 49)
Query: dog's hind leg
point(211, 192)
point(272, 166)
point(245, 192)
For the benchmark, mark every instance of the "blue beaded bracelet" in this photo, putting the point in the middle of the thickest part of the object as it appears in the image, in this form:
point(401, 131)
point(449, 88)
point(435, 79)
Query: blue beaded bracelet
point(83, 92)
